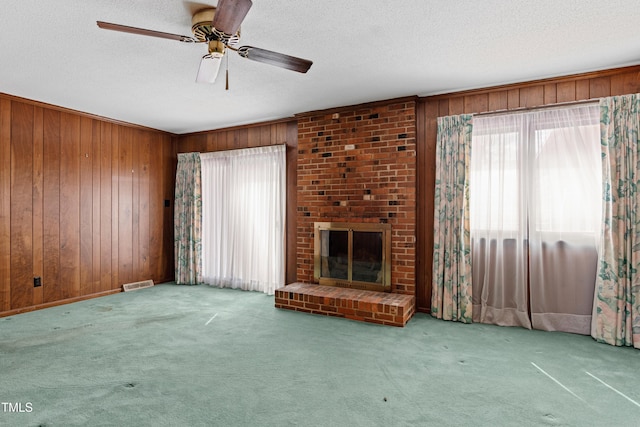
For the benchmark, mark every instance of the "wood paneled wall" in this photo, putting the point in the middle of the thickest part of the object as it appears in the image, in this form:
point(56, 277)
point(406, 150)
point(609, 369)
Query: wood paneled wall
point(525, 95)
point(82, 205)
point(82, 199)
point(260, 135)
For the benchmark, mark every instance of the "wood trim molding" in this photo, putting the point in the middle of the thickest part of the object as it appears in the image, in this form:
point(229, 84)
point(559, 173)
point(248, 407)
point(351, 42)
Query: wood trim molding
point(79, 113)
point(239, 127)
point(57, 303)
point(530, 83)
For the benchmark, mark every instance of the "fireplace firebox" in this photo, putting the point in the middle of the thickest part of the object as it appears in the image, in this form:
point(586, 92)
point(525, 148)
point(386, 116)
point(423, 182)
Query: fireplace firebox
point(353, 255)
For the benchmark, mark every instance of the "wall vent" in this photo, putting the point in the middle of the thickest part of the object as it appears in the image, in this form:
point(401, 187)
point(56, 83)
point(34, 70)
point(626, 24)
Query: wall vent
point(137, 285)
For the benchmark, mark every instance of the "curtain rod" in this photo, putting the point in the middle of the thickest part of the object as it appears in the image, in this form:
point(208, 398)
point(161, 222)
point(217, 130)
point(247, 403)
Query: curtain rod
point(540, 107)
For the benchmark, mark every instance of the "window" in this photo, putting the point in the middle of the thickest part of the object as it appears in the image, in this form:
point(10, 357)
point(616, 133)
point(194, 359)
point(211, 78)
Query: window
point(243, 218)
point(535, 214)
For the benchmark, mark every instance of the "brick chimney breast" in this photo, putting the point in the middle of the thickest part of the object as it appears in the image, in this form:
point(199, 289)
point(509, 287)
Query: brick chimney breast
point(364, 171)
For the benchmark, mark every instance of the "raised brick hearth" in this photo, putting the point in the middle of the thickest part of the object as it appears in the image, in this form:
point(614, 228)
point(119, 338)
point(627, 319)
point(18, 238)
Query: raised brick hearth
point(367, 306)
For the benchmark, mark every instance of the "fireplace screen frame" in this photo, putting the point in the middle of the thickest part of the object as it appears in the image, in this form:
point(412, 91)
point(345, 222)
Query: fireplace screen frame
point(350, 228)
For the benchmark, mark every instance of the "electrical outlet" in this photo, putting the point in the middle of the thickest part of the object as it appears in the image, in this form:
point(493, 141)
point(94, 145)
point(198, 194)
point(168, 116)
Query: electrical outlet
point(37, 281)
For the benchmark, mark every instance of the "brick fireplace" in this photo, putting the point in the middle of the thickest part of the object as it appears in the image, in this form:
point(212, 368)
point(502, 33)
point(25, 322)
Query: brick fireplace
point(358, 164)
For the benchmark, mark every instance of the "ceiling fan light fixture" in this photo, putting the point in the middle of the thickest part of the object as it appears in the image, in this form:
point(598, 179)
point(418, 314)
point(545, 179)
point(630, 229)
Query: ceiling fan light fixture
point(208, 70)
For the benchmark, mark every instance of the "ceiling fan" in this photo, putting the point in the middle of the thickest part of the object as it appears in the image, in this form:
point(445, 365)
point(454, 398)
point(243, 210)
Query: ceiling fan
point(219, 27)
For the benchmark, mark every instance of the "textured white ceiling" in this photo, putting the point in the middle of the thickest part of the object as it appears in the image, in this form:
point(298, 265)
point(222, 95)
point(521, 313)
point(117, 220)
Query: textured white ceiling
point(363, 50)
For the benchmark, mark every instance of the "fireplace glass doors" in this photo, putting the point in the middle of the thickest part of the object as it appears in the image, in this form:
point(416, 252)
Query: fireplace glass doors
point(354, 255)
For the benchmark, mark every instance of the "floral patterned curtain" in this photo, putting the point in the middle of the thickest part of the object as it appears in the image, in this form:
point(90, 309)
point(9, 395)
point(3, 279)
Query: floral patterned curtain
point(188, 220)
point(616, 313)
point(451, 286)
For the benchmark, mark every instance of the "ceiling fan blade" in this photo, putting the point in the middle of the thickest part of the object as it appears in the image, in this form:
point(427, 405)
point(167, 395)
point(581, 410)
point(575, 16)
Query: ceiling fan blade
point(230, 14)
point(145, 32)
point(274, 58)
point(208, 71)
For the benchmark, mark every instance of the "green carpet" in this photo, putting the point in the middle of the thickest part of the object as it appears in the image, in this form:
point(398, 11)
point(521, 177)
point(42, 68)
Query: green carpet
point(200, 356)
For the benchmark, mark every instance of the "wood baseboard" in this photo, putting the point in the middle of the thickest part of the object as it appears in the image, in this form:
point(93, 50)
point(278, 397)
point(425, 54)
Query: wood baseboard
point(56, 303)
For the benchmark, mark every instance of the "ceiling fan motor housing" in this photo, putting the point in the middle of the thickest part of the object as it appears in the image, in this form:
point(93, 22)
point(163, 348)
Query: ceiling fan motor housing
point(216, 48)
point(204, 31)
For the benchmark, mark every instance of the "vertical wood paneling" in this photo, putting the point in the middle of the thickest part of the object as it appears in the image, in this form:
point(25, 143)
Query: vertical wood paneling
point(532, 96)
point(199, 143)
point(63, 179)
point(144, 156)
point(86, 206)
point(38, 201)
point(106, 211)
point(282, 130)
point(582, 90)
point(443, 108)
point(456, 105)
point(221, 141)
point(70, 205)
point(51, 276)
point(169, 158)
point(425, 230)
point(125, 210)
point(265, 135)
point(273, 138)
point(424, 205)
point(241, 138)
point(513, 98)
point(187, 146)
point(253, 137)
point(550, 93)
point(212, 142)
point(228, 140)
point(5, 204)
point(21, 204)
point(96, 197)
point(291, 139)
point(136, 168)
point(625, 83)
point(600, 87)
point(421, 159)
point(115, 207)
point(566, 91)
point(157, 209)
point(498, 101)
point(476, 103)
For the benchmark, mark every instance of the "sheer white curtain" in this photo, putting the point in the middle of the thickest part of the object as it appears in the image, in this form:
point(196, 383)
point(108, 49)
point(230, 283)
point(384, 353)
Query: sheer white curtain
point(535, 201)
point(243, 218)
